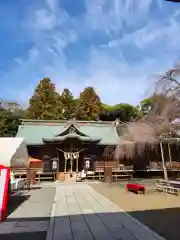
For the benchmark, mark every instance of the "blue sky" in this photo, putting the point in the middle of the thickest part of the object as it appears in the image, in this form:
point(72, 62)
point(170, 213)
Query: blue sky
point(115, 46)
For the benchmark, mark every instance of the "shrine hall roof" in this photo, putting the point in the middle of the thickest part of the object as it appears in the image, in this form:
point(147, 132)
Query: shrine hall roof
point(72, 136)
point(36, 131)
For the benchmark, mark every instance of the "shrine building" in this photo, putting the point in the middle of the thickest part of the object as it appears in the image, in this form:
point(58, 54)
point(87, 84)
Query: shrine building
point(63, 146)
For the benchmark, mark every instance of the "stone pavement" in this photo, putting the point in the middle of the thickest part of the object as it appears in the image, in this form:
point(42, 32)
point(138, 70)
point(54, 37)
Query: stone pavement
point(81, 213)
point(36, 208)
point(29, 216)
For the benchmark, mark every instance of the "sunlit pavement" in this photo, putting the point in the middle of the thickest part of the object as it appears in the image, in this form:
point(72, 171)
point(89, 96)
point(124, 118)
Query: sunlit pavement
point(80, 212)
point(71, 211)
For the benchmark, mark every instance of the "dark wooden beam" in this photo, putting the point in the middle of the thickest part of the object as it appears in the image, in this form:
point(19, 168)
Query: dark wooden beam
point(172, 0)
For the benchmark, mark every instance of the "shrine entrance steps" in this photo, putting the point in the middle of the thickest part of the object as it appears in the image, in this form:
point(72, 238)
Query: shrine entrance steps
point(71, 178)
point(66, 177)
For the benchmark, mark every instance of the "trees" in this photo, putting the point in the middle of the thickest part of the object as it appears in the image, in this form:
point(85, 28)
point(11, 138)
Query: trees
point(10, 115)
point(168, 85)
point(145, 105)
point(68, 104)
point(46, 103)
point(89, 105)
point(160, 104)
point(127, 112)
point(158, 123)
point(123, 111)
point(3, 125)
point(155, 104)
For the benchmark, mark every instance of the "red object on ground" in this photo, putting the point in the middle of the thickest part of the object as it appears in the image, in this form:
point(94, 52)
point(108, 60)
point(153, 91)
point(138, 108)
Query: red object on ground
point(34, 160)
point(4, 189)
point(135, 187)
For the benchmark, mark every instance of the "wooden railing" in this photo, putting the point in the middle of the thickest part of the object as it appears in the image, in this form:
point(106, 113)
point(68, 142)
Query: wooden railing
point(39, 174)
point(99, 165)
point(116, 175)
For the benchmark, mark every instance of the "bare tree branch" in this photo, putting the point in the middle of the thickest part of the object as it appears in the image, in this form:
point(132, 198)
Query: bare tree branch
point(147, 131)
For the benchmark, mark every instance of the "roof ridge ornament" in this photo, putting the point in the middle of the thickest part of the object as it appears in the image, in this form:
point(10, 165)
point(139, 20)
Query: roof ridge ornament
point(72, 129)
point(71, 122)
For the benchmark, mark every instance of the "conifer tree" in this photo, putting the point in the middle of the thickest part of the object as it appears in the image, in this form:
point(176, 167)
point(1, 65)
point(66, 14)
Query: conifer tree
point(45, 103)
point(89, 106)
point(68, 104)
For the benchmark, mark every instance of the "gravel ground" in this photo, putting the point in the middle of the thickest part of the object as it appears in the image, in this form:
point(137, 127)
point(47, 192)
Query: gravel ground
point(158, 211)
point(37, 207)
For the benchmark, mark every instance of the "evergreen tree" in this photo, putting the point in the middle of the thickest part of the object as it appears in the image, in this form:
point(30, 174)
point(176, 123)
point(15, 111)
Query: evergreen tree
point(59, 108)
point(45, 104)
point(10, 115)
point(68, 104)
point(3, 122)
point(123, 111)
point(89, 106)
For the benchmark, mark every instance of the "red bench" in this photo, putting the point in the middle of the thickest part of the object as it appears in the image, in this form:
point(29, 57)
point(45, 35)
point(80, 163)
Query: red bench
point(135, 187)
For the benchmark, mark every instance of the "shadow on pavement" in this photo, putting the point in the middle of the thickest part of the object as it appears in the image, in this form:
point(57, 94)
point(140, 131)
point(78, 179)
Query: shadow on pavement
point(33, 188)
point(24, 236)
point(163, 221)
point(14, 202)
point(18, 198)
point(97, 226)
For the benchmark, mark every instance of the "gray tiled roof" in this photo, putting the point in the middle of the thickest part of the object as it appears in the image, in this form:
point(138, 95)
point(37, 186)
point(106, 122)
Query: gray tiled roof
point(34, 131)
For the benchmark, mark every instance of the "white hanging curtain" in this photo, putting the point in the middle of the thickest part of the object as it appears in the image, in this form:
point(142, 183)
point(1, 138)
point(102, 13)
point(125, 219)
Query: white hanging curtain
point(76, 155)
point(68, 155)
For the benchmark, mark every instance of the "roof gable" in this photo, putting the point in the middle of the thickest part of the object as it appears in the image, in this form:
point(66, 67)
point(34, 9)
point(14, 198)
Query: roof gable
point(72, 129)
point(34, 131)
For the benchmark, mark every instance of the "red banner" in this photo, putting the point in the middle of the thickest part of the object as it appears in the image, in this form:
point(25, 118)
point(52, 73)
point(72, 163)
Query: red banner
point(4, 187)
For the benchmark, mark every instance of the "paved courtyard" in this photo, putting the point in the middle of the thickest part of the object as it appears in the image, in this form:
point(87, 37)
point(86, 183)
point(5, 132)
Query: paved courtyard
point(28, 217)
point(159, 211)
point(82, 213)
point(71, 211)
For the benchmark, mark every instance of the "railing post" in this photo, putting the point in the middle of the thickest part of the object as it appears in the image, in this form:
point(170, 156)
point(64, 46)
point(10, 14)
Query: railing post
point(163, 162)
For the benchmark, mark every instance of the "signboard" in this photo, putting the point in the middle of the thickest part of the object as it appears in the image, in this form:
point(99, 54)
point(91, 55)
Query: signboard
point(4, 187)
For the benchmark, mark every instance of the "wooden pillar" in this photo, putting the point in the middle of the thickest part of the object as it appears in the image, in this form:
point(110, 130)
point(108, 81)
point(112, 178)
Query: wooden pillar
point(149, 159)
point(108, 174)
point(169, 151)
point(65, 163)
point(71, 163)
point(71, 158)
point(77, 162)
point(163, 162)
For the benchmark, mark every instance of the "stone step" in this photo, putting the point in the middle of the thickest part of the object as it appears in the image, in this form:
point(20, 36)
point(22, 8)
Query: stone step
point(72, 179)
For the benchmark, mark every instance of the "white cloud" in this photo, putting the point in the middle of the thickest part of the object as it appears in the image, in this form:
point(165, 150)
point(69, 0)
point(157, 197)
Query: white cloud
point(111, 16)
point(51, 30)
point(115, 80)
point(53, 5)
point(132, 11)
point(153, 31)
point(163, 33)
point(43, 20)
point(125, 10)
